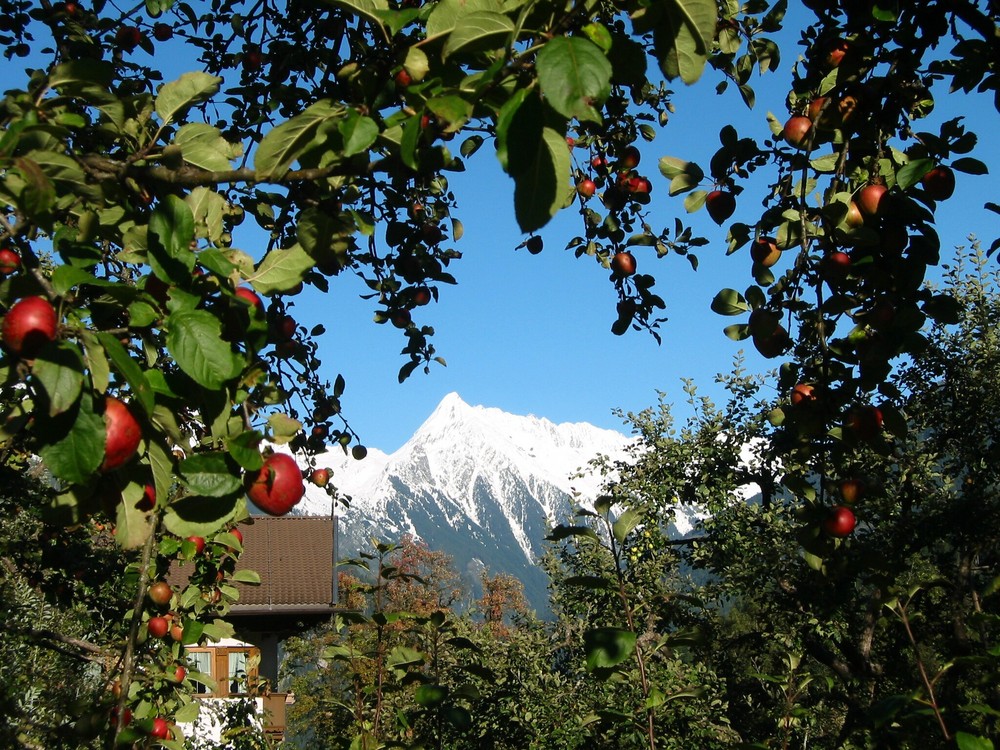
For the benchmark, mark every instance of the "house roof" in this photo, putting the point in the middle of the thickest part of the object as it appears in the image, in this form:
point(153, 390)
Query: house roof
point(294, 556)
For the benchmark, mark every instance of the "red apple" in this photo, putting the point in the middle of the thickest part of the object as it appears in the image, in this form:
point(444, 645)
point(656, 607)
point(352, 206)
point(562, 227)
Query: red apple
point(10, 261)
point(798, 132)
point(630, 158)
point(854, 218)
point(252, 60)
point(249, 296)
point(939, 183)
point(764, 251)
point(198, 542)
point(865, 421)
point(283, 329)
point(179, 674)
point(160, 593)
point(160, 729)
point(840, 522)
point(320, 477)
point(278, 486)
point(162, 32)
point(29, 325)
point(123, 434)
point(836, 265)
point(158, 626)
point(586, 188)
point(623, 263)
point(403, 79)
point(400, 318)
point(721, 205)
point(835, 52)
point(852, 490)
point(128, 38)
point(148, 499)
point(420, 295)
point(802, 393)
point(772, 344)
point(870, 199)
point(177, 632)
point(238, 534)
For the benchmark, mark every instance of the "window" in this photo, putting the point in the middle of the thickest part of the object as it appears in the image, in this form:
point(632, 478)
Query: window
point(233, 669)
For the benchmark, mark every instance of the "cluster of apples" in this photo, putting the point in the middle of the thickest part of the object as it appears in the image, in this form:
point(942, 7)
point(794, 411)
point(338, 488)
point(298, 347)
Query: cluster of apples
point(626, 183)
point(863, 422)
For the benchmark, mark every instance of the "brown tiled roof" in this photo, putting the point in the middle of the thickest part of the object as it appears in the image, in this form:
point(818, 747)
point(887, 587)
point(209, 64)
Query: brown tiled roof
point(294, 556)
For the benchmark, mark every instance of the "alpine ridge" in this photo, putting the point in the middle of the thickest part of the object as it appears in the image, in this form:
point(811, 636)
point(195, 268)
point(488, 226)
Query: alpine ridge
point(475, 482)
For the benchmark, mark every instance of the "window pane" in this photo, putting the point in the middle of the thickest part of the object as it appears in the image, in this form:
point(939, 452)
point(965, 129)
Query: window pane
point(200, 661)
point(237, 671)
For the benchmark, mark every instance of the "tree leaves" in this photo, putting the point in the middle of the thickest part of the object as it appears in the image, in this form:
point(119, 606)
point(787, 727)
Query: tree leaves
point(608, 647)
point(281, 269)
point(287, 142)
point(175, 98)
point(575, 77)
point(194, 339)
point(683, 34)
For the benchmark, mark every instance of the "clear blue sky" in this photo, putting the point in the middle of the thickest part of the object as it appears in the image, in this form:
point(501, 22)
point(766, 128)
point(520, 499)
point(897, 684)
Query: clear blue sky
point(531, 334)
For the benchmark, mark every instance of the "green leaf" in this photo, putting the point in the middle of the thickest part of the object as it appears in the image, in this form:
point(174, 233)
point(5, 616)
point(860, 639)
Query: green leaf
point(540, 190)
point(281, 269)
point(132, 526)
point(59, 368)
point(282, 427)
point(286, 143)
point(358, 132)
point(202, 145)
point(369, 9)
point(625, 523)
point(251, 577)
point(447, 14)
point(176, 97)
point(403, 656)
point(76, 75)
point(563, 532)
point(75, 457)
point(968, 165)
point(171, 232)
point(245, 449)
point(729, 302)
point(96, 361)
point(127, 367)
point(429, 696)
point(575, 77)
point(608, 647)
point(911, 173)
point(478, 31)
point(188, 713)
point(200, 516)
point(967, 741)
point(194, 339)
point(683, 34)
point(209, 474)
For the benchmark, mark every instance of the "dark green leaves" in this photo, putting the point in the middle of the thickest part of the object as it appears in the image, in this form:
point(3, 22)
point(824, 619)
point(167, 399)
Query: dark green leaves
point(683, 33)
point(171, 231)
point(608, 647)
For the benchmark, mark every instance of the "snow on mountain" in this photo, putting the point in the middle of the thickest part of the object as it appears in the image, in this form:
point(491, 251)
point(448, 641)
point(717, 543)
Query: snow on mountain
point(479, 483)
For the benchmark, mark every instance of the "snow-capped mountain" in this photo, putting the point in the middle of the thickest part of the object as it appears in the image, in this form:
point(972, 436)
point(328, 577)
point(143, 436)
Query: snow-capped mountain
point(475, 482)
